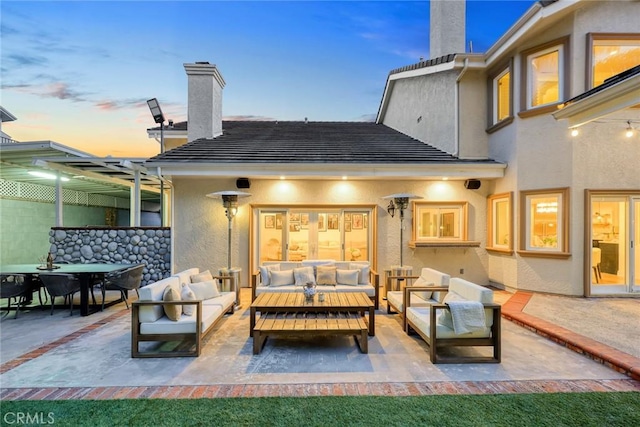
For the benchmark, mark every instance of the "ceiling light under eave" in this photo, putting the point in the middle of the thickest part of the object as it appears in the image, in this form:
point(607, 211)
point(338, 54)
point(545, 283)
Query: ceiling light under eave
point(46, 175)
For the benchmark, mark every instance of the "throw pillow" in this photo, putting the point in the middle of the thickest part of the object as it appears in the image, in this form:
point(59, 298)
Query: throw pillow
point(281, 278)
point(172, 311)
point(187, 295)
point(326, 275)
point(303, 275)
point(421, 282)
point(201, 277)
point(265, 270)
point(364, 268)
point(205, 290)
point(445, 318)
point(347, 277)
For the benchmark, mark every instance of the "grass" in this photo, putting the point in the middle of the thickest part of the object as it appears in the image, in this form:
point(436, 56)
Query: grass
point(544, 409)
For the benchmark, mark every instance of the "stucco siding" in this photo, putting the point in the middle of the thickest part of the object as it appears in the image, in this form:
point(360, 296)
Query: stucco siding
point(200, 226)
point(424, 108)
point(473, 143)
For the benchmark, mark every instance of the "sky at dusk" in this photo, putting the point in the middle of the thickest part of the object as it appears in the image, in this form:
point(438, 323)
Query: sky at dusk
point(80, 72)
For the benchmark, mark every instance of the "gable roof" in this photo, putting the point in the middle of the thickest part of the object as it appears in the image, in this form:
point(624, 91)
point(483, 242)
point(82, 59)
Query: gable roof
point(318, 149)
point(306, 142)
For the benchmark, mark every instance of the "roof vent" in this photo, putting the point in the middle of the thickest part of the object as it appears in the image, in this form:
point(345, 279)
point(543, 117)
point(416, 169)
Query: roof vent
point(306, 120)
point(202, 62)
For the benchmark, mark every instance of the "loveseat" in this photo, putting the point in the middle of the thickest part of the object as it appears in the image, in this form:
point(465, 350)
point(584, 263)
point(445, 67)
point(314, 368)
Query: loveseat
point(466, 317)
point(329, 276)
point(183, 307)
point(420, 297)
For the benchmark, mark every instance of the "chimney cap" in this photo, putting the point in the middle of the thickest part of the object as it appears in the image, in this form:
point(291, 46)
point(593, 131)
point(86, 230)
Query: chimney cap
point(202, 62)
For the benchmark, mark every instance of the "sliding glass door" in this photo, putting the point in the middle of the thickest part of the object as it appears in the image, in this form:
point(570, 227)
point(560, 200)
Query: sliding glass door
point(614, 233)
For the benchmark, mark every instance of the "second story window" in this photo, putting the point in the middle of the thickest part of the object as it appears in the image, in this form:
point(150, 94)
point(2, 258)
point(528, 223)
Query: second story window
point(502, 91)
point(545, 72)
point(544, 77)
point(611, 54)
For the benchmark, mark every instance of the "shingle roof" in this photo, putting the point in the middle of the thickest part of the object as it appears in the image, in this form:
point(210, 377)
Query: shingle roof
point(308, 142)
point(424, 64)
point(607, 83)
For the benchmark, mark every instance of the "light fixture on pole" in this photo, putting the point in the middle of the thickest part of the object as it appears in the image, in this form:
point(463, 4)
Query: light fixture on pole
point(158, 117)
point(399, 201)
point(230, 203)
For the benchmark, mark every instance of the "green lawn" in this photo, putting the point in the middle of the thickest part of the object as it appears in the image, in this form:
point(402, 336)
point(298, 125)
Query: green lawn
point(551, 409)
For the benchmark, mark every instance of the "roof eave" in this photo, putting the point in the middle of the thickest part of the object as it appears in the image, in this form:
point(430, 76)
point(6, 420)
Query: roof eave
point(614, 98)
point(425, 170)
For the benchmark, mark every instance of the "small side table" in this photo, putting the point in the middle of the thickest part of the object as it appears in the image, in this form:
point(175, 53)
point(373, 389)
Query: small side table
point(393, 271)
point(234, 271)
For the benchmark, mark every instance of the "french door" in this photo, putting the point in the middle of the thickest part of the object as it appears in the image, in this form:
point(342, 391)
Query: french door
point(614, 235)
point(340, 233)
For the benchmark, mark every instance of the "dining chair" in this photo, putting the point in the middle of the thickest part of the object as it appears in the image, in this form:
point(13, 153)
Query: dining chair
point(123, 281)
point(61, 285)
point(14, 287)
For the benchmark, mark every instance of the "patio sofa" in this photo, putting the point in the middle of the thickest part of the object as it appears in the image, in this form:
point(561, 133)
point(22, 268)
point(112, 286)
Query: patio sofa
point(456, 323)
point(422, 297)
point(150, 316)
point(280, 276)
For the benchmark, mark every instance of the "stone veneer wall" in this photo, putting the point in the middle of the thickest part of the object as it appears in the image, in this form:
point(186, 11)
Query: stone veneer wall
point(125, 245)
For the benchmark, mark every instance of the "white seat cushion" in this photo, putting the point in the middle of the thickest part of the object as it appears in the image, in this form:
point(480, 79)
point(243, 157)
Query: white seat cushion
point(419, 316)
point(396, 299)
point(186, 324)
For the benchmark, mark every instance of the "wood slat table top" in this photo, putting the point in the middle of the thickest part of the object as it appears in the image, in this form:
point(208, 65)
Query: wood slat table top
point(296, 300)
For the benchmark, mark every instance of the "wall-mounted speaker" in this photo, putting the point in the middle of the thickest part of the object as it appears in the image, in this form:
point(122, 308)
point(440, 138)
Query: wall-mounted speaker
point(243, 183)
point(472, 184)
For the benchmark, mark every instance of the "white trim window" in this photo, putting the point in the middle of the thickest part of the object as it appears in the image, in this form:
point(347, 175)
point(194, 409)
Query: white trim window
point(545, 79)
point(499, 226)
point(544, 225)
point(502, 96)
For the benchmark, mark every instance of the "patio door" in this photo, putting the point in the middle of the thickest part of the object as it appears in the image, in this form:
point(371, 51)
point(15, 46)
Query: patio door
point(614, 235)
point(301, 233)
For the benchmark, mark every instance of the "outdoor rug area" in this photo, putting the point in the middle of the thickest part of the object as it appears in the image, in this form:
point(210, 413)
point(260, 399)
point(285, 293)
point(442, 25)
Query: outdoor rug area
point(97, 354)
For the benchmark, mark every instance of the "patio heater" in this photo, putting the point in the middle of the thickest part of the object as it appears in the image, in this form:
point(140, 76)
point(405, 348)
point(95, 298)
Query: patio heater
point(230, 203)
point(158, 117)
point(398, 202)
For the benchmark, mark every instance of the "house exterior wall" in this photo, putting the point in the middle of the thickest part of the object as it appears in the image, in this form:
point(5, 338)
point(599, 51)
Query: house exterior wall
point(200, 225)
point(424, 108)
point(473, 142)
point(541, 154)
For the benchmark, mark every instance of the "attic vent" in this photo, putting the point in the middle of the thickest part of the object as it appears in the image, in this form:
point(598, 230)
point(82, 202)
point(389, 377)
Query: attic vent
point(202, 62)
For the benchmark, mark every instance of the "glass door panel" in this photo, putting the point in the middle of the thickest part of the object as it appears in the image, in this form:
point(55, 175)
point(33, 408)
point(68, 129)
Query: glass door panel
point(634, 250)
point(615, 229)
point(271, 235)
point(329, 242)
point(298, 248)
point(356, 235)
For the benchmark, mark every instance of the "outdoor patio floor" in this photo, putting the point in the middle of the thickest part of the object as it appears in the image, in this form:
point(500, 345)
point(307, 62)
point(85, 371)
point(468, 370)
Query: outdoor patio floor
point(63, 357)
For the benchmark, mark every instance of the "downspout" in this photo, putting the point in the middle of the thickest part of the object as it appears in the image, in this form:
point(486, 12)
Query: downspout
point(164, 212)
point(457, 107)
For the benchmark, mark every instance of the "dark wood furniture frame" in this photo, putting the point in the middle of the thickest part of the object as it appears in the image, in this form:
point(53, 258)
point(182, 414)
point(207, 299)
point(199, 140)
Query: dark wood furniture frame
point(436, 343)
point(374, 280)
point(190, 342)
point(272, 305)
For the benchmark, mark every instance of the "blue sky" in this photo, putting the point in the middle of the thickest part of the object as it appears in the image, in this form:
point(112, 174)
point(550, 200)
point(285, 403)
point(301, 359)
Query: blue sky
point(80, 72)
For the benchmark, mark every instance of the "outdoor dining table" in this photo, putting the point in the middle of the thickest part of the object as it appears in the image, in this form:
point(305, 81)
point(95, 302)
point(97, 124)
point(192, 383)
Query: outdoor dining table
point(84, 272)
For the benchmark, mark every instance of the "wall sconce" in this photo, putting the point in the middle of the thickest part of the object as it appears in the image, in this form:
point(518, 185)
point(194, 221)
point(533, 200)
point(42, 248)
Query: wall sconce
point(399, 201)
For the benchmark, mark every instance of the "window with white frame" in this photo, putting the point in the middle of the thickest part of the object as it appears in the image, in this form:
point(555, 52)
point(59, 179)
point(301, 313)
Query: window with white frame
point(439, 221)
point(502, 96)
point(544, 216)
point(499, 223)
point(611, 54)
point(544, 74)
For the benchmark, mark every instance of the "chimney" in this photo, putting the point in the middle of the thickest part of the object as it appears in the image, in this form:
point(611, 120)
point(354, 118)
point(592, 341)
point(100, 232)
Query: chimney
point(446, 27)
point(204, 114)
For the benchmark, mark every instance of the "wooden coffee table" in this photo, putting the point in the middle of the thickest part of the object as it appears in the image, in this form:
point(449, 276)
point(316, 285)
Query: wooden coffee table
point(288, 313)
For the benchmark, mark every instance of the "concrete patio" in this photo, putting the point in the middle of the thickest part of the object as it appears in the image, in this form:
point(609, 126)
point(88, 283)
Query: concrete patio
point(59, 356)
